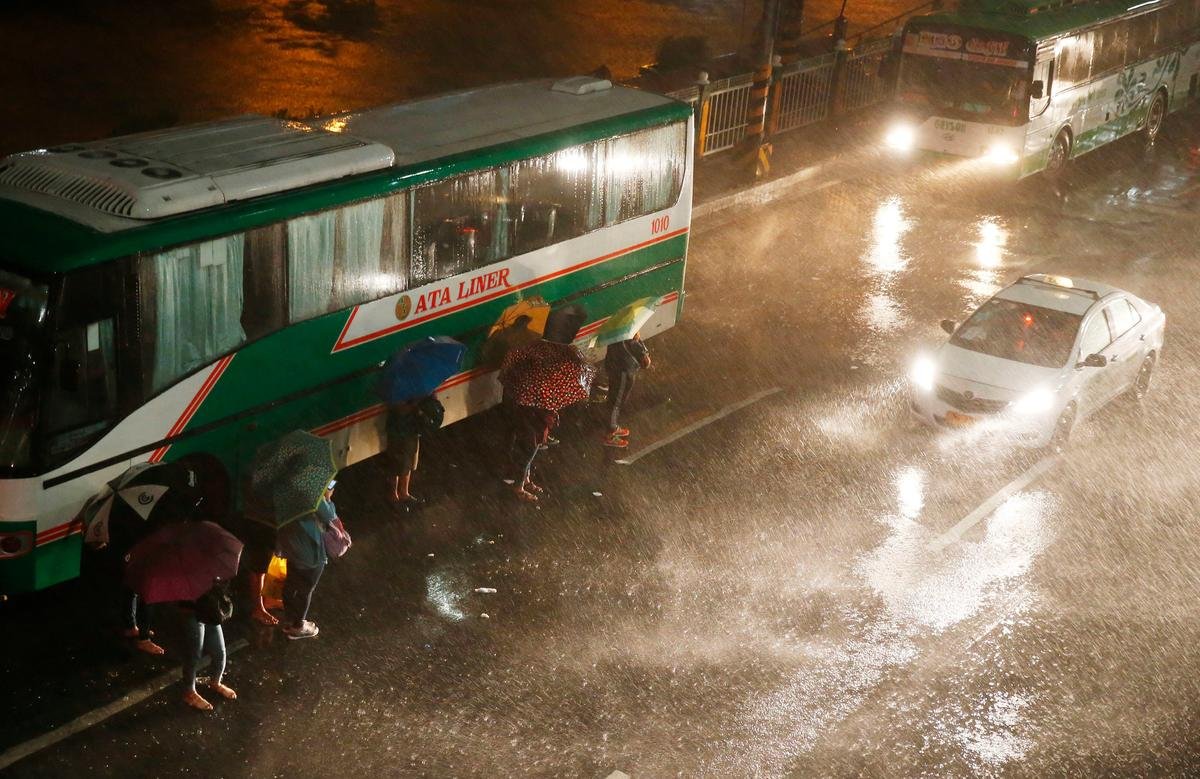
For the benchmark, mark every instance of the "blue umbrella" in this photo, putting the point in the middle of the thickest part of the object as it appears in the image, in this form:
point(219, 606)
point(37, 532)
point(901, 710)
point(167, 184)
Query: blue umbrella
point(419, 368)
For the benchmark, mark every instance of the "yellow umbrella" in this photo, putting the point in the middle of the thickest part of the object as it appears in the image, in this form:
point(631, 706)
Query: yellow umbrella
point(627, 321)
point(534, 307)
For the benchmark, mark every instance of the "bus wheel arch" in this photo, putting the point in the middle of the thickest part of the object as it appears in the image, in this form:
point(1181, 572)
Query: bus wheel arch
point(1156, 114)
point(1060, 152)
point(213, 481)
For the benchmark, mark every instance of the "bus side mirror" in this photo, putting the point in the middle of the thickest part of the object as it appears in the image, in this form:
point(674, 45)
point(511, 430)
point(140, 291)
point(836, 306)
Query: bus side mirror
point(1037, 91)
point(948, 326)
point(1094, 361)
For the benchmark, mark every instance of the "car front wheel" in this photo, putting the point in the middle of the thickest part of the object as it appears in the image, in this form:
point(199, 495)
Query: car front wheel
point(1141, 385)
point(1062, 431)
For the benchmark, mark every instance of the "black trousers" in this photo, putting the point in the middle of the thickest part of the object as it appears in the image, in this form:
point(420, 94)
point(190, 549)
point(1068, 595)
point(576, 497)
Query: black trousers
point(620, 384)
point(297, 592)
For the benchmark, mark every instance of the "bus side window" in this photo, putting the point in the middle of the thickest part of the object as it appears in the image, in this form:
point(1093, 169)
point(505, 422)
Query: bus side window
point(457, 225)
point(644, 172)
point(554, 197)
point(191, 307)
point(1074, 60)
point(265, 281)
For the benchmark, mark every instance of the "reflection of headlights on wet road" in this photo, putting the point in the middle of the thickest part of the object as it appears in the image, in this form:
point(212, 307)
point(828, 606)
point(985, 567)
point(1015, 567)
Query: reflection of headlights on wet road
point(1001, 154)
point(922, 373)
point(901, 137)
point(1034, 402)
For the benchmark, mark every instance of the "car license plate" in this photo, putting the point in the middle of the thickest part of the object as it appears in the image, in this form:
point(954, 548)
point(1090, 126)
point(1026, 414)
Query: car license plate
point(955, 419)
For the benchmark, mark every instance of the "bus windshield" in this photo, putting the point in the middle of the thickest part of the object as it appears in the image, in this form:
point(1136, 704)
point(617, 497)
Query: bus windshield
point(22, 317)
point(1020, 332)
point(958, 89)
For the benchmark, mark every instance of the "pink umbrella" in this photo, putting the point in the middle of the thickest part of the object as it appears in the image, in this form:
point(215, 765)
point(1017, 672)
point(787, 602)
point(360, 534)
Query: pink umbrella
point(182, 561)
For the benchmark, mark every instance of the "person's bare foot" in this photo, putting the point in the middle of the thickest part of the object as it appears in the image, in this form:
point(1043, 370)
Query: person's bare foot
point(264, 617)
point(531, 487)
point(196, 701)
point(149, 647)
point(528, 497)
point(225, 692)
point(272, 603)
point(134, 633)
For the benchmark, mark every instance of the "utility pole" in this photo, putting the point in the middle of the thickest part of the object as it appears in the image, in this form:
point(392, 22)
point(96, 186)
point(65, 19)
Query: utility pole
point(757, 148)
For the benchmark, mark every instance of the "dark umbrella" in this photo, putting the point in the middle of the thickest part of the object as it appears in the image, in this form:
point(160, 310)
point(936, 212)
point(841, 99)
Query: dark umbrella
point(419, 368)
point(291, 474)
point(182, 561)
point(137, 500)
point(547, 375)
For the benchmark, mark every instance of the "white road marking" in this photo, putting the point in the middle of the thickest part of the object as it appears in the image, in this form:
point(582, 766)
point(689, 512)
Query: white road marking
point(991, 504)
point(96, 716)
point(708, 420)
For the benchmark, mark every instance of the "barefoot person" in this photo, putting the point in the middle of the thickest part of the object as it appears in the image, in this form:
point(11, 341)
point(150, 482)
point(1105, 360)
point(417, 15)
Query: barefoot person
point(202, 626)
point(406, 422)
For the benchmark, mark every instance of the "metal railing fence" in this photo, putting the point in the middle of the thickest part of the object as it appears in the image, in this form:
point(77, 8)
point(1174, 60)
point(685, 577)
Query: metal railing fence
point(801, 93)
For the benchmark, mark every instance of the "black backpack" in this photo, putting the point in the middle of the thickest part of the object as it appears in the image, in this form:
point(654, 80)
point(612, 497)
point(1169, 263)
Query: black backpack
point(430, 413)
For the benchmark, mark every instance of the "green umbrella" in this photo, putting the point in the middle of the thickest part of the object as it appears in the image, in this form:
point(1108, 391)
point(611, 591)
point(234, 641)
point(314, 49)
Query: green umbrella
point(291, 474)
point(626, 322)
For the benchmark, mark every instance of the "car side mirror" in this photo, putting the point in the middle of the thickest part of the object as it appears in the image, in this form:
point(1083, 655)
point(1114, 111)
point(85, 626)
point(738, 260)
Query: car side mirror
point(949, 326)
point(1094, 361)
point(1037, 90)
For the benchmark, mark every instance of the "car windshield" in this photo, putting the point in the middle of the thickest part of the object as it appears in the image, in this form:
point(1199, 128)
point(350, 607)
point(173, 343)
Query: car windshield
point(958, 89)
point(1020, 332)
point(22, 316)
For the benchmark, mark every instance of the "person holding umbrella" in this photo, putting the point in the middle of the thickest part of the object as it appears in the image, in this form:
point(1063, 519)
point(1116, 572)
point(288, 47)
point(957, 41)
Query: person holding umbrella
point(294, 475)
point(407, 384)
point(625, 356)
point(302, 544)
point(133, 505)
point(541, 379)
point(189, 563)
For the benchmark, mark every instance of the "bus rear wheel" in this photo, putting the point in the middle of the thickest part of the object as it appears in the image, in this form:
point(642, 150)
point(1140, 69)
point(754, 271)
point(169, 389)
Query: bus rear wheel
point(1154, 117)
point(1060, 152)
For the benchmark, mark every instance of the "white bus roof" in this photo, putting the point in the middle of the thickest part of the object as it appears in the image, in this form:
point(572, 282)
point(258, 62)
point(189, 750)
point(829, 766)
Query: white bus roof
point(119, 183)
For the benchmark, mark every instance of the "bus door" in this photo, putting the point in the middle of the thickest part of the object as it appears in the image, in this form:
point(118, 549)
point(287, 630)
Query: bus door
point(83, 395)
point(1042, 118)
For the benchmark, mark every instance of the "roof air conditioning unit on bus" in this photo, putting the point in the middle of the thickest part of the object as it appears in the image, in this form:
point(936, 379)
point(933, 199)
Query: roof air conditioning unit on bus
point(581, 85)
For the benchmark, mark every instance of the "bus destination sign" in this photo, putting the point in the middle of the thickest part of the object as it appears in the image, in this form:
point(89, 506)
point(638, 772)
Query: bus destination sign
point(966, 45)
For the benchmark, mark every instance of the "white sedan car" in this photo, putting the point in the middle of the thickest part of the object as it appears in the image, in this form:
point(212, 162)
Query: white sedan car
point(1037, 357)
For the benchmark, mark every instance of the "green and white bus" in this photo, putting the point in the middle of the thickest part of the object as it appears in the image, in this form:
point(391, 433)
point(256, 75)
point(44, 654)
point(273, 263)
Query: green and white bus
point(195, 292)
point(1029, 84)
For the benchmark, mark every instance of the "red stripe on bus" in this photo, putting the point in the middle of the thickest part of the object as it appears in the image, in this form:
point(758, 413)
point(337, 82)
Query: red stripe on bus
point(58, 532)
point(344, 344)
point(194, 406)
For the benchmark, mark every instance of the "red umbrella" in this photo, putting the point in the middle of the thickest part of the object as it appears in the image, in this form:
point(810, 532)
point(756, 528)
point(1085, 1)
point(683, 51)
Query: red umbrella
point(182, 561)
point(547, 375)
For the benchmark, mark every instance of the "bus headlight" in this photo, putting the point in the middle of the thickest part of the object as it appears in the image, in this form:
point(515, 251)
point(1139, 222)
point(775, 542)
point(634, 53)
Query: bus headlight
point(922, 373)
point(1036, 401)
point(1001, 154)
point(901, 137)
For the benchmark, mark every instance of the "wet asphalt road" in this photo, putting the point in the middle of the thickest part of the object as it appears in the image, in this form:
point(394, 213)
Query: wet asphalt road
point(774, 593)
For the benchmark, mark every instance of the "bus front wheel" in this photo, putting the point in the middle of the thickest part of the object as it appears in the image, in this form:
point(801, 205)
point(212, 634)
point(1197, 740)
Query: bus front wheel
point(1154, 117)
point(1060, 152)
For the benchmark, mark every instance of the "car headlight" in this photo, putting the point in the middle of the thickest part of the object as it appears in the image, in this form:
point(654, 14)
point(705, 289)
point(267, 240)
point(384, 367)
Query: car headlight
point(902, 137)
point(1001, 154)
point(922, 373)
point(1036, 401)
